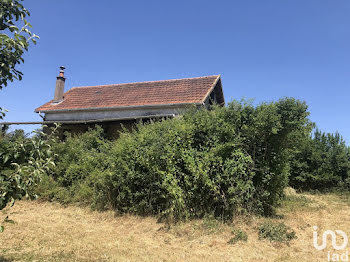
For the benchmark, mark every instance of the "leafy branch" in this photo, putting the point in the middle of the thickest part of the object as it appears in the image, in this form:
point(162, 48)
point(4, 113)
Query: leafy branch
point(29, 160)
point(15, 38)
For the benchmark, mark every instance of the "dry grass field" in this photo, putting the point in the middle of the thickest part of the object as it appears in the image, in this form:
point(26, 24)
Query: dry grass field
point(50, 232)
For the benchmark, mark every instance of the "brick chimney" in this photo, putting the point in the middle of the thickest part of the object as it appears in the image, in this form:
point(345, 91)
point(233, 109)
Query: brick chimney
point(59, 91)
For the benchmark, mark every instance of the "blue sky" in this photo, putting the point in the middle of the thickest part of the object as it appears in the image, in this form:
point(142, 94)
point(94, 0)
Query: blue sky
point(264, 49)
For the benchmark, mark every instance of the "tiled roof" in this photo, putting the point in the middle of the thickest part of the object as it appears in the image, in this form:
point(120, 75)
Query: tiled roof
point(165, 92)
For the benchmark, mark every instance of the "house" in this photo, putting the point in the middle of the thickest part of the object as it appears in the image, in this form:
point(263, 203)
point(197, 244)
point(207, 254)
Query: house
point(117, 105)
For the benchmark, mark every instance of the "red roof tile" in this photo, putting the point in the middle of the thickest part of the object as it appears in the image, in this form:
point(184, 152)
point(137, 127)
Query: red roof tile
point(165, 92)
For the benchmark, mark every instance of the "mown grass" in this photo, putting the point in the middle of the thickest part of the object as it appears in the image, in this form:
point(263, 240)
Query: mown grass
point(50, 232)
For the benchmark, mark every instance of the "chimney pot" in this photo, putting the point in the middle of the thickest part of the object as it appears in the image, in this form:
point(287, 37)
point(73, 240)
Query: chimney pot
point(62, 71)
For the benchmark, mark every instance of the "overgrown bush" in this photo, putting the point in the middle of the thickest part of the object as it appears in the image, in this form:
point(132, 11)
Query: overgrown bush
point(271, 133)
point(221, 162)
point(81, 161)
point(182, 168)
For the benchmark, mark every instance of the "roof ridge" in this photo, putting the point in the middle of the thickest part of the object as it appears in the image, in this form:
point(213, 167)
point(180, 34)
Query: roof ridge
point(142, 82)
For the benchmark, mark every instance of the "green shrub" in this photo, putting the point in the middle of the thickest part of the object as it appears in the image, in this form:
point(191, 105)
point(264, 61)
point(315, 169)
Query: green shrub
point(271, 133)
point(81, 161)
point(238, 235)
point(276, 232)
point(81, 157)
point(184, 167)
point(223, 162)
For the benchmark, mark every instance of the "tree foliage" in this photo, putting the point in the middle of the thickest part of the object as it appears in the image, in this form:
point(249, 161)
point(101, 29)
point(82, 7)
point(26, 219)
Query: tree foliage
point(322, 162)
point(23, 161)
point(15, 38)
point(271, 133)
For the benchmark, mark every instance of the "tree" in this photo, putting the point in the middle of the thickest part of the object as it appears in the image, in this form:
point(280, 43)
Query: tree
point(15, 38)
point(23, 161)
point(322, 162)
